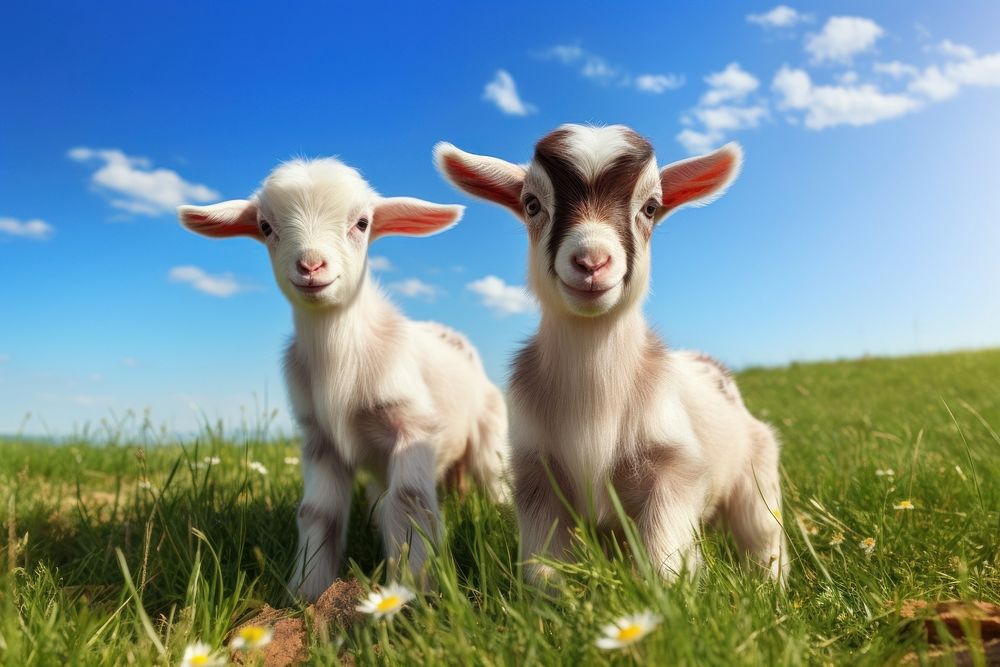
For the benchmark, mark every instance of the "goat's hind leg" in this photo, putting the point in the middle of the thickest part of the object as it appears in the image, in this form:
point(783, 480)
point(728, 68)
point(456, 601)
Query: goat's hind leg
point(753, 510)
point(488, 450)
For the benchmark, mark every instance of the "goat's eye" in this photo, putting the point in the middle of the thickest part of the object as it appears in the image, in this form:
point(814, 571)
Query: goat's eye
point(265, 228)
point(363, 224)
point(650, 210)
point(532, 206)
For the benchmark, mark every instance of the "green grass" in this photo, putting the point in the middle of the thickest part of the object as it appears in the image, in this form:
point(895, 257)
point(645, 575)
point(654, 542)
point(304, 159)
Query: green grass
point(206, 546)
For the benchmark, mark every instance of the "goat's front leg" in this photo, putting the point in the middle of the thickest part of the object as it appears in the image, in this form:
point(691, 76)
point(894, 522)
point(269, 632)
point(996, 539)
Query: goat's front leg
point(322, 517)
point(544, 521)
point(409, 510)
point(663, 492)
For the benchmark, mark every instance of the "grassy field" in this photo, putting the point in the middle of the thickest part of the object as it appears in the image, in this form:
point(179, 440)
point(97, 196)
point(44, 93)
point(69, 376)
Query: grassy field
point(123, 553)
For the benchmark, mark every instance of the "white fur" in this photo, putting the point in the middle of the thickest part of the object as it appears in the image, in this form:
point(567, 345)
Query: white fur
point(406, 401)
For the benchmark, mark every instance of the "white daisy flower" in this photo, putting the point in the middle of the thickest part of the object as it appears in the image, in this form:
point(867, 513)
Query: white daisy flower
point(144, 484)
point(868, 545)
point(628, 630)
point(903, 505)
point(200, 654)
point(291, 460)
point(252, 637)
point(386, 601)
point(888, 472)
point(212, 460)
point(257, 467)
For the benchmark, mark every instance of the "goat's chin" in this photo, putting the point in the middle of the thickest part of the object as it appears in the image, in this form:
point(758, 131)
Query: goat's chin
point(590, 304)
point(330, 297)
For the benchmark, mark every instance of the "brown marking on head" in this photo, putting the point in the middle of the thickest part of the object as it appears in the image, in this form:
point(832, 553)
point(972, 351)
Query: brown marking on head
point(606, 197)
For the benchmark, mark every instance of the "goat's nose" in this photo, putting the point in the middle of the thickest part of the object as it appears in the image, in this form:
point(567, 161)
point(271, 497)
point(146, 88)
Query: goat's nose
point(591, 262)
point(310, 262)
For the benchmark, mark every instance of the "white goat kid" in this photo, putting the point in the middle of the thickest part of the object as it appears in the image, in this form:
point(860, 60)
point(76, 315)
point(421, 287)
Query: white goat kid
point(595, 396)
point(407, 401)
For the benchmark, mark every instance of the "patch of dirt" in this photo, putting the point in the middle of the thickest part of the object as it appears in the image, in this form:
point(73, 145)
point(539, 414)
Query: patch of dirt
point(335, 611)
point(337, 605)
point(951, 625)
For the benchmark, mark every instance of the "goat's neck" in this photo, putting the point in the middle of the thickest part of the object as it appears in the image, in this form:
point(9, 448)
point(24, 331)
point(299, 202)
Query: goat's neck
point(347, 339)
point(600, 354)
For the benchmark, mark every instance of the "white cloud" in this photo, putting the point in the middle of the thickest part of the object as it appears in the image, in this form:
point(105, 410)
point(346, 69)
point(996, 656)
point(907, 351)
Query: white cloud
point(847, 78)
point(414, 288)
point(728, 119)
point(722, 109)
point(695, 142)
point(981, 71)
point(565, 53)
point(502, 298)
point(781, 16)
point(842, 38)
point(829, 106)
point(896, 69)
point(130, 362)
point(37, 230)
point(502, 91)
point(939, 83)
point(732, 83)
point(933, 84)
point(135, 186)
point(953, 50)
point(658, 83)
point(376, 263)
point(716, 123)
point(222, 285)
point(597, 68)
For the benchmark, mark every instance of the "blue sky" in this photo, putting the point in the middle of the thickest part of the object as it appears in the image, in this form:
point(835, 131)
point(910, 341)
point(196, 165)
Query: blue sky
point(865, 220)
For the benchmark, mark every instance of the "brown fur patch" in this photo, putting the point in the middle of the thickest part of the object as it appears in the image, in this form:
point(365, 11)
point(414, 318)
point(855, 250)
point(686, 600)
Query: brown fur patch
point(412, 499)
point(725, 383)
point(533, 484)
point(385, 424)
point(634, 478)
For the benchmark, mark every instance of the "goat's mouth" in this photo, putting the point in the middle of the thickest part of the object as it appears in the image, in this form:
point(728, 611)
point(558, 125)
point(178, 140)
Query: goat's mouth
point(592, 294)
point(313, 287)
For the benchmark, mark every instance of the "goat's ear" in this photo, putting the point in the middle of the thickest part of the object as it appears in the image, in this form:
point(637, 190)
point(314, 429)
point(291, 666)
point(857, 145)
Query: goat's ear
point(488, 177)
point(229, 218)
point(406, 216)
point(699, 180)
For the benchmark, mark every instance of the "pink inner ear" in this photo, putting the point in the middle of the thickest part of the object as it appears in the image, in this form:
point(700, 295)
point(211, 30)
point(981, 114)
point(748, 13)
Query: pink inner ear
point(407, 216)
point(424, 223)
point(474, 184)
point(697, 181)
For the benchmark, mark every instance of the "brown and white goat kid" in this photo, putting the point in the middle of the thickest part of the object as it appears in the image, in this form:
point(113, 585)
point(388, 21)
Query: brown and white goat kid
point(407, 401)
point(596, 397)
